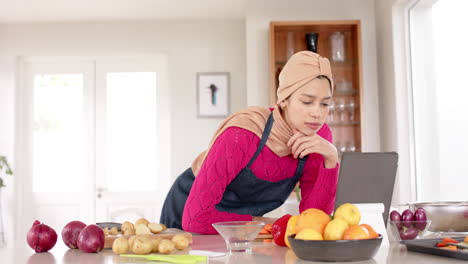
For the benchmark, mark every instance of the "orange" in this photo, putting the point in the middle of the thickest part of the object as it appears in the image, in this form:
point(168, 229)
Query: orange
point(372, 233)
point(356, 232)
point(313, 218)
point(290, 229)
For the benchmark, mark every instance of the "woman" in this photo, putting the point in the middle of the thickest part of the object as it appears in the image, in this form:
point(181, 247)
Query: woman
point(258, 155)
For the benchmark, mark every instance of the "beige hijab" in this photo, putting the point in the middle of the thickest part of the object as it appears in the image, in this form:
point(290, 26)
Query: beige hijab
point(301, 68)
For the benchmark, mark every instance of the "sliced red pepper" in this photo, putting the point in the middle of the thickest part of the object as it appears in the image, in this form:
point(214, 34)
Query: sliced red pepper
point(445, 241)
point(266, 229)
point(278, 230)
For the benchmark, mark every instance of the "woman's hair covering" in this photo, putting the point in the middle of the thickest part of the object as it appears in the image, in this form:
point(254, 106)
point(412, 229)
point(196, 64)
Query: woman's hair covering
point(301, 68)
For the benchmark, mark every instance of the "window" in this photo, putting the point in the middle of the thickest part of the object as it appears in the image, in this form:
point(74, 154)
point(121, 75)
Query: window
point(97, 129)
point(440, 93)
point(58, 134)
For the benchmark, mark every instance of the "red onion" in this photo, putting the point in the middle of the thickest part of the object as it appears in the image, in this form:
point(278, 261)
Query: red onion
point(407, 217)
point(396, 218)
point(91, 239)
point(41, 237)
point(409, 233)
point(70, 233)
point(420, 219)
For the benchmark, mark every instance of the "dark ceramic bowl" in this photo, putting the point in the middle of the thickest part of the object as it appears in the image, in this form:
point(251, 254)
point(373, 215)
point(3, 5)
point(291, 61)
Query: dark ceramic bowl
point(335, 250)
point(109, 225)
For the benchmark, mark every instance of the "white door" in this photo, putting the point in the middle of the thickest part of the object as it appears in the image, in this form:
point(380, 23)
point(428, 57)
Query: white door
point(55, 127)
point(93, 140)
point(132, 138)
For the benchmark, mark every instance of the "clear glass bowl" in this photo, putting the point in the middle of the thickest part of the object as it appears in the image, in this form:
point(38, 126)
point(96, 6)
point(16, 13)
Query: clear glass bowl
point(238, 235)
point(408, 230)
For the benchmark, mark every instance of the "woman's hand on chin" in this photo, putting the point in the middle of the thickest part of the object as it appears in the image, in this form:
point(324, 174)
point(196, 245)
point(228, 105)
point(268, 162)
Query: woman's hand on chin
point(302, 145)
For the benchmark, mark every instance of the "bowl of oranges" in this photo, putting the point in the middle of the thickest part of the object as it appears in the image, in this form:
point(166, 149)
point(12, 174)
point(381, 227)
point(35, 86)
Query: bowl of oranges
point(316, 236)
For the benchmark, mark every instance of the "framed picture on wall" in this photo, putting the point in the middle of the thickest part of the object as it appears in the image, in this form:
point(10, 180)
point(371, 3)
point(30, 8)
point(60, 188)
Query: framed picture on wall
point(213, 94)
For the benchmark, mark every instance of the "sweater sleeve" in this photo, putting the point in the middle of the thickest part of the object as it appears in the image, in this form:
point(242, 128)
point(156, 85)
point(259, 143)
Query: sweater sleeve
point(230, 153)
point(318, 184)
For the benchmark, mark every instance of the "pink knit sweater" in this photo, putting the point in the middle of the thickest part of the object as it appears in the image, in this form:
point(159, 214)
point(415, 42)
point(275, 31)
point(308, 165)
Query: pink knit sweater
point(230, 153)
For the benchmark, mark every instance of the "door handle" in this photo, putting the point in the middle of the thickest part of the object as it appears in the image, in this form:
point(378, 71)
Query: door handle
point(99, 191)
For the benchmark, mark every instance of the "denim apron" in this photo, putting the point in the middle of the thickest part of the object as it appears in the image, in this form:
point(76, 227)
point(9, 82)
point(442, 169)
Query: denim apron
point(246, 194)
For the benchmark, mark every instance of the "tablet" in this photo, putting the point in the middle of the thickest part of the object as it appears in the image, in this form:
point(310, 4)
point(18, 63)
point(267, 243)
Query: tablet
point(367, 177)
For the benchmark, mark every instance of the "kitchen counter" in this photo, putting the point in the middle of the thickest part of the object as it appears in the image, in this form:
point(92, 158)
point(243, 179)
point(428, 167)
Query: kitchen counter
point(263, 253)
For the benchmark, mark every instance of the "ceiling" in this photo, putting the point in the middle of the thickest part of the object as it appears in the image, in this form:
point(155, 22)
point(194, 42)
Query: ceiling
point(28, 11)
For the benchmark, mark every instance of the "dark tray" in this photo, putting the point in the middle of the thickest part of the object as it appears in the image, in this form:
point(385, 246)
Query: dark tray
point(428, 246)
point(109, 225)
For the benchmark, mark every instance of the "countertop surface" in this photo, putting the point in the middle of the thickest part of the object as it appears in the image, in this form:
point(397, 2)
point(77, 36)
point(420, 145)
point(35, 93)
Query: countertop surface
point(263, 252)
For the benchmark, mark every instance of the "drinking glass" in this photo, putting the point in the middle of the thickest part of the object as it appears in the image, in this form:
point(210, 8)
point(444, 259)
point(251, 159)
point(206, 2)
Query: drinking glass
point(331, 113)
point(337, 41)
point(342, 110)
point(290, 45)
point(350, 146)
point(351, 109)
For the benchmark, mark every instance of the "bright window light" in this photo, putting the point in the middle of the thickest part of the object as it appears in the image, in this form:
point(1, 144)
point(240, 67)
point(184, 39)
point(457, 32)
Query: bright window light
point(451, 55)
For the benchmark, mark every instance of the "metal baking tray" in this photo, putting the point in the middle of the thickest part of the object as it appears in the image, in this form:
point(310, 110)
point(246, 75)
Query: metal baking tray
point(109, 225)
point(428, 246)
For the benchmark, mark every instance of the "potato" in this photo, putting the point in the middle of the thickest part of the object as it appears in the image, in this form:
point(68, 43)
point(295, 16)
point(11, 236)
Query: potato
point(155, 241)
point(155, 228)
point(142, 245)
point(129, 232)
point(106, 231)
point(166, 246)
point(126, 226)
point(120, 246)
point(164, 226)
point(142, 221)
point(130, 242)
point(142, 229)
point(113, 231)
point(181, 242)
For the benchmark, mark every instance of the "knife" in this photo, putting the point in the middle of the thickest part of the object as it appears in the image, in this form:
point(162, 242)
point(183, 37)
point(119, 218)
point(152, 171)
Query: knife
point(182, 259)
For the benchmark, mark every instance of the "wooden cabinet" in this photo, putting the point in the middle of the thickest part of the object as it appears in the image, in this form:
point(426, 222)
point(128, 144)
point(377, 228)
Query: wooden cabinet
point(289, 37)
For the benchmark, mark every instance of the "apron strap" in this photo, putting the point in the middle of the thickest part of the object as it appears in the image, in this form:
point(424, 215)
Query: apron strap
point(265, 134)
point(300, 166)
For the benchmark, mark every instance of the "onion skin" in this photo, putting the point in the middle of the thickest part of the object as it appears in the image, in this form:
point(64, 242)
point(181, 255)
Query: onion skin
point(420, 218)
point(409, 233)
point(396, 218)
point(70, 233)
point(41, 238)
point(91, 239)
point(407, 217)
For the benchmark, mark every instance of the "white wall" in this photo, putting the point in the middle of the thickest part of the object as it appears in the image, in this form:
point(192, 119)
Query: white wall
point(259, 13)
point(6, 136)
point(191, 47)
point(395, 115)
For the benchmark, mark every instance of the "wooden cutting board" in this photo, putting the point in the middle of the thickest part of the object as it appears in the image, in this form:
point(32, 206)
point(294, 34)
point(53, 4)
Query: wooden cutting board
point(166, 234)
